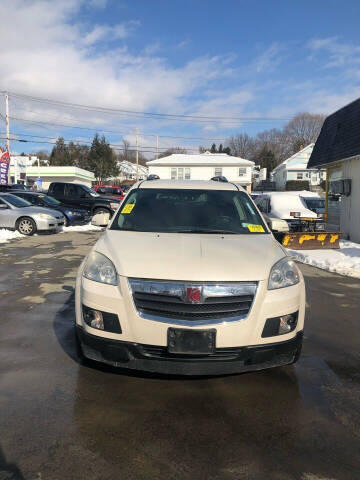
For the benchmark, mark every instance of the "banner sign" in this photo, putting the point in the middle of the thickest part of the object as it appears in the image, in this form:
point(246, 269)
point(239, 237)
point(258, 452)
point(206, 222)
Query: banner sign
point(4, 166)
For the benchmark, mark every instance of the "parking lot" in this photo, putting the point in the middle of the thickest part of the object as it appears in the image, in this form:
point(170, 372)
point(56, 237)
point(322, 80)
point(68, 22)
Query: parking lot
point(64, 420)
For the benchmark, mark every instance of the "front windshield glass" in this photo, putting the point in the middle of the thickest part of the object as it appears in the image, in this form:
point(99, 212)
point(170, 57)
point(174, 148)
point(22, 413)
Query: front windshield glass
point(90, 190)
point(315, 203)
point(16, 201)
point(50, 200)
point(189, 211)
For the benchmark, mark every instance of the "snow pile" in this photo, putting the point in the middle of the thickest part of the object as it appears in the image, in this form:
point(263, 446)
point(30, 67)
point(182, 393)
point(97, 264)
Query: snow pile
point(345, 261)
point(82, 228)
point(7, 235)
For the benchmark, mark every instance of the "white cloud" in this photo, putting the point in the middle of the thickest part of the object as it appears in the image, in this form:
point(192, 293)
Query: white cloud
point(269, 59)
point(57, 58)
point(339, 54)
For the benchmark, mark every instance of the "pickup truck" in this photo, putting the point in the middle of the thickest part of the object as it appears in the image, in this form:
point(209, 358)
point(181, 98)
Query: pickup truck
point(81, 196)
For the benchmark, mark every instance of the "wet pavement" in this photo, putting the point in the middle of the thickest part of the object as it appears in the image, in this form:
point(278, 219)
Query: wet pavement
point(62, 420)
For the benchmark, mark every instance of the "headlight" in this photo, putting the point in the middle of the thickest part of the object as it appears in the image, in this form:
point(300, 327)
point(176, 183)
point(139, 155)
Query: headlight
point(74, 213)
point(100, 269)
point(114, 206)
point(45, 215)
point(283, 274)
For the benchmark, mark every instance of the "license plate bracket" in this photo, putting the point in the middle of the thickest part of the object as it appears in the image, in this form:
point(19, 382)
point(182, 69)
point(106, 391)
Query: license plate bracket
point(191, 342)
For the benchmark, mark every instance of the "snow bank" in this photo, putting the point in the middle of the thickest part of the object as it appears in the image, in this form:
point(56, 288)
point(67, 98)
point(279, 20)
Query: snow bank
point(7, 235)
point(345, 261)
point(82, 228)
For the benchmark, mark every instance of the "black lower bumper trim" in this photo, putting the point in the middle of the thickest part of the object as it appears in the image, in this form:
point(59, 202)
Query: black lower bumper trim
point(157, 359)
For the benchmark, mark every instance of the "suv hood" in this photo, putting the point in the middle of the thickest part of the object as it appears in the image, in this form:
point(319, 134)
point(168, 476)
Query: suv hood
point(190, 257)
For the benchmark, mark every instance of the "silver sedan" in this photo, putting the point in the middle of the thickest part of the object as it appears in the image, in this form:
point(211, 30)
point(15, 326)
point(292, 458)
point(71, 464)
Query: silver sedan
point(16, 213)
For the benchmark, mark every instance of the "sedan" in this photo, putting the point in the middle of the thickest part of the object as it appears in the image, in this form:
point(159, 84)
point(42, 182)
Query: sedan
point(18, 214)
point(73, 216)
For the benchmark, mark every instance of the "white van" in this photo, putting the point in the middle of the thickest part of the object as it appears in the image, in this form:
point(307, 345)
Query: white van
point(188, 279)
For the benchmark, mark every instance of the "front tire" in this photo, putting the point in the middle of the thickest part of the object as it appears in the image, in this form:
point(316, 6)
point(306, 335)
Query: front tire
point(26, 226)
point(66, 221)
point(297, 353)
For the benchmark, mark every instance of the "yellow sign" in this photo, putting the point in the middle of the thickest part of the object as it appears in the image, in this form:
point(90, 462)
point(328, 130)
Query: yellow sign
point(128, 208)
point(256, 228)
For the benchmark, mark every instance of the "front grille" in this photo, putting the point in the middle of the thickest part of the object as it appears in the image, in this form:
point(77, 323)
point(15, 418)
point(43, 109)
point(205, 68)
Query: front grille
point(170, 306)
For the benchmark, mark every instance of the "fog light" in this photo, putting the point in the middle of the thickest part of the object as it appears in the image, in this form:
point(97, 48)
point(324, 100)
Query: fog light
point(285, 324)
point(94, 318)
point(280, 325)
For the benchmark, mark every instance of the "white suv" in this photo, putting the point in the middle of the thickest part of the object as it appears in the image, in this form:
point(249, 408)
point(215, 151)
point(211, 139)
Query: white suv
point(188, 279)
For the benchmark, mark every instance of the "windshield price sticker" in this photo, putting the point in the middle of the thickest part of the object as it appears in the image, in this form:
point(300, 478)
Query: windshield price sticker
point(128, 208)
point(256, 228)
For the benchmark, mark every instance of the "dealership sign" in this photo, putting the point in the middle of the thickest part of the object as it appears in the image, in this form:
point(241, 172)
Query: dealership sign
point(4, 166)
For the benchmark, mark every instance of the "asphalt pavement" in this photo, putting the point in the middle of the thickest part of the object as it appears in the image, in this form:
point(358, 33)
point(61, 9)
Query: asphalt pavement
point(62, 420)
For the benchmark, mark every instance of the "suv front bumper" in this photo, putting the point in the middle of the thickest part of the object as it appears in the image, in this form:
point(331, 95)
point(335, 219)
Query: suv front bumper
point(152, 358)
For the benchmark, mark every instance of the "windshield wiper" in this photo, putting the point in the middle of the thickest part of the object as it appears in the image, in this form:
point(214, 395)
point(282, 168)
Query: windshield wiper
point(210, 230)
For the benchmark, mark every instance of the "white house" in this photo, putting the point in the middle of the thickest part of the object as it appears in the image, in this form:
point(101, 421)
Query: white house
point(203, 166)
point(295, 168)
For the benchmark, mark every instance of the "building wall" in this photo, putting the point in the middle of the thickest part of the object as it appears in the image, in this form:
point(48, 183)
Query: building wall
point(350, 206)
point(46, 180)
point(205, 172)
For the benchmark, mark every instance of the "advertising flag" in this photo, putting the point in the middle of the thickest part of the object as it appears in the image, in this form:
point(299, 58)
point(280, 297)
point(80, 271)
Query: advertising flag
point(4, 166)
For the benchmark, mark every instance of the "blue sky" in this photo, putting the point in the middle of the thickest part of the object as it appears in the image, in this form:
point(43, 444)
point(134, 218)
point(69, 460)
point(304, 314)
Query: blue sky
point(268, 59)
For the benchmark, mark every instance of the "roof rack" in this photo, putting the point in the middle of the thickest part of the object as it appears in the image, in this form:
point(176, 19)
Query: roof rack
point(219, 178)
point(153, 177)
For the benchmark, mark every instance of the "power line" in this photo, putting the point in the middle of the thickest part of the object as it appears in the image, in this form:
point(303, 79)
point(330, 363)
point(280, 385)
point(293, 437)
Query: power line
point(116, 147)
point(87, 142)
point(39, 122)
point(167, 116)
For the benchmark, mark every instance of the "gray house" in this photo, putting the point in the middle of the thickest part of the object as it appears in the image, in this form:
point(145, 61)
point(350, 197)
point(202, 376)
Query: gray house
point(338, 150)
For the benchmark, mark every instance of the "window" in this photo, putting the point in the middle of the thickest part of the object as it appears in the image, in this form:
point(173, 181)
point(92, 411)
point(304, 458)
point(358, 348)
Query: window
point(299, 176)
point(218, 171)
point(73, 190)
point(242, 171)
point(16, 201)
point(189, 211)
point(306, 175)
point(180, 173)
point(58, 189)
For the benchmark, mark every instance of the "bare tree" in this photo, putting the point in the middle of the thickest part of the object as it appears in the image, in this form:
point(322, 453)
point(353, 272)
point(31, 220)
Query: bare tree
point(303, 129)
point(241, 145)
point(172, 150)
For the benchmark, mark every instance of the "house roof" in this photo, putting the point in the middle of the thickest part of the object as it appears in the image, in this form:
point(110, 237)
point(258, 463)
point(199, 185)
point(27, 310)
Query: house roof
point(206, 158)
point(297, 161)
point(339, 137)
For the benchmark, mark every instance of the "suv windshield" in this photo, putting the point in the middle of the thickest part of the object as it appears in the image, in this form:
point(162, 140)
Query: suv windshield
point(16, 201)
point(189, 211)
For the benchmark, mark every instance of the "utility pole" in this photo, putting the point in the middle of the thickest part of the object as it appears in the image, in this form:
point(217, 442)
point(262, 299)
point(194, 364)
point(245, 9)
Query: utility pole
point(137, 154)
point(157, 146)
point(7, 121)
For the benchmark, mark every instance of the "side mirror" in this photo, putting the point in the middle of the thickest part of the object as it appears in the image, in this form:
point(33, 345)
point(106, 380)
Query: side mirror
point(3, 206)
point(100, 219)
point(278, 225)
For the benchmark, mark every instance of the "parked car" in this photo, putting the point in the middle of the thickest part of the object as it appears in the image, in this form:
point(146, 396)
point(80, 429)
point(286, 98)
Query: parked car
point(111, 190)
point(72, 216)
point(18, 214)
point(188, 279)
point(125, 187)
point(291, 207)
point(14, 186)
point(81, 196)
